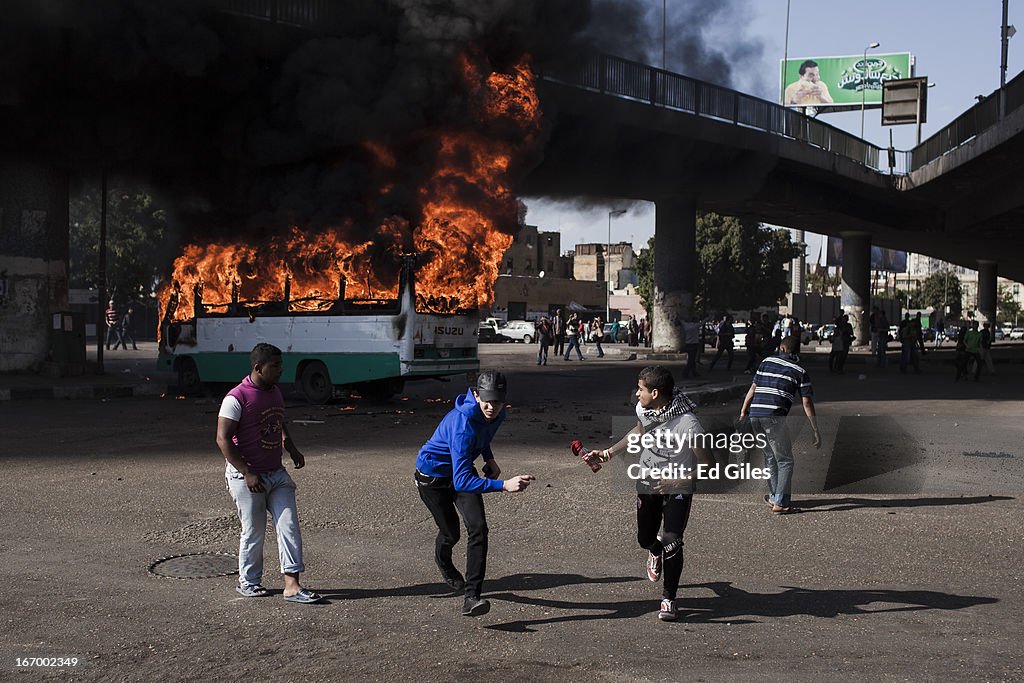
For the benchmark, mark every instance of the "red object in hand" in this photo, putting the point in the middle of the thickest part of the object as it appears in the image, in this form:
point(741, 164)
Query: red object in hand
point(578, 451)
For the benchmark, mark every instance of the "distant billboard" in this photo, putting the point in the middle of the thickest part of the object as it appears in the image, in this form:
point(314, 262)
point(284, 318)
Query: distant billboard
point(889, 260)
point(839, 82)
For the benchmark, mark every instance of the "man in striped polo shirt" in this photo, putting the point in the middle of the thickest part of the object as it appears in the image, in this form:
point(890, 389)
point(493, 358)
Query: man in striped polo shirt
point(777, 383)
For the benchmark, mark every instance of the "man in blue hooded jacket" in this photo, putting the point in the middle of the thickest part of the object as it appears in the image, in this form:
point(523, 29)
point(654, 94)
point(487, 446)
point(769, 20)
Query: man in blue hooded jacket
point(448, 482)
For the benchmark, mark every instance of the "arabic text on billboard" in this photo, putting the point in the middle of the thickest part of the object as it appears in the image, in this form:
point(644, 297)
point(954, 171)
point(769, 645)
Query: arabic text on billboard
point(840, 81)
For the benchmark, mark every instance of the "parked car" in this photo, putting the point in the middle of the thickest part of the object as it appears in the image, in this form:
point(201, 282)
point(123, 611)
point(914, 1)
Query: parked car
point(998, 335)
point(826, 331)
point(739, 338)
point(487, 334)
point(519, 330)
point(621, 338)
point(1017, 333)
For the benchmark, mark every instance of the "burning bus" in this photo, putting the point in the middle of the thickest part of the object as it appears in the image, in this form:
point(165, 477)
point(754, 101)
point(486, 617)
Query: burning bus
point(371, 344)
point(336, 295)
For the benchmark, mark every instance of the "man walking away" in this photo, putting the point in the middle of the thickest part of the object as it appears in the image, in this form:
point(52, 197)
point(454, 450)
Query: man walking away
point(778, 381)
point(449, 485)
point(986, 348)
point(725, 342)
point(972, 343)
point(250, 434)
point(126, 329)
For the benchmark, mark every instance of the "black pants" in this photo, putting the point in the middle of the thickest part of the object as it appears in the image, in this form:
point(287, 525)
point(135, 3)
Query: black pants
point(441, 498)
point(721, 350)
point(559, 344)
point(674, 510)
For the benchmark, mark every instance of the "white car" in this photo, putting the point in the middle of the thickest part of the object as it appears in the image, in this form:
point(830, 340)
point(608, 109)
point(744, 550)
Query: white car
point(519, 330)
point(1017, 333)
point(739, 338)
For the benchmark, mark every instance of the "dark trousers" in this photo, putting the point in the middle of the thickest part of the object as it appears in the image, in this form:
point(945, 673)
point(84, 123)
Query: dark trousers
point(721, 350)
point(751, 360)
point(674, 510)
point(691, 360)
point(441, 498)
point(114, 333)
point(559, 344)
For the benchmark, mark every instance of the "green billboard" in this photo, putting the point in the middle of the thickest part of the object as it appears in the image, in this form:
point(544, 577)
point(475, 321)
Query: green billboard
point(840, 82)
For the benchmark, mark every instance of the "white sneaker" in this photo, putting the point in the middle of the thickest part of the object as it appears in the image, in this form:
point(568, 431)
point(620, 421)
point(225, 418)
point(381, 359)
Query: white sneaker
point(668, 610)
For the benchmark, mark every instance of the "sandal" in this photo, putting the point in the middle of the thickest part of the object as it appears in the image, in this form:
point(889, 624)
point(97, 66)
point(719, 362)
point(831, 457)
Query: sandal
point(304, 597)
point(252, 591)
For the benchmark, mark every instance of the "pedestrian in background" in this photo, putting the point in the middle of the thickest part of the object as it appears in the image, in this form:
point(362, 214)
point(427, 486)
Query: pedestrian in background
point(724, 342)
point(126, 328)
point(883, 340)
point(113, 321)
point(544, 338)
point(597, 335)
point(572, 334)
point(986, 348)
point(835, 356)
point(558, 329)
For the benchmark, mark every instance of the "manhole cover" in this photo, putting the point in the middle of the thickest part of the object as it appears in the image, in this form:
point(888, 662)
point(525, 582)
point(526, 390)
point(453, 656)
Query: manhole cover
point(988, 454)
point(195, 566)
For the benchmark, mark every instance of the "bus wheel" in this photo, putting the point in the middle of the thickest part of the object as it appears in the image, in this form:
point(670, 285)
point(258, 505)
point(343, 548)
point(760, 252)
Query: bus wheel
point(189, 383)
point(315, 383)
point(382, 389)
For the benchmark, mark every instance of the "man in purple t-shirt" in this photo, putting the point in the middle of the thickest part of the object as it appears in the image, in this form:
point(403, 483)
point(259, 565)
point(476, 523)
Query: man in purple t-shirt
point(251, 433)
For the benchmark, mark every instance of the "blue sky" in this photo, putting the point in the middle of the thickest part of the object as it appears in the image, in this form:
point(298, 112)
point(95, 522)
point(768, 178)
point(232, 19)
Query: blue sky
point(956, 45)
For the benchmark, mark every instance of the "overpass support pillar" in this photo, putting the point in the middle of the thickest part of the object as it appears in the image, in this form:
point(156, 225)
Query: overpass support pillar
point(987, 292)
point(675, 270)
point(857, 282)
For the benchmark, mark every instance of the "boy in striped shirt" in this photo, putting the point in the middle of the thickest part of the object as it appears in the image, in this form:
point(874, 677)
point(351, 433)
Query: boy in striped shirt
point(778, 381)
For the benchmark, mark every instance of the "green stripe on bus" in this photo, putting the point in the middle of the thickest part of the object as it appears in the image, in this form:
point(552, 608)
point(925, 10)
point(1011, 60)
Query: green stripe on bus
point(344, 368)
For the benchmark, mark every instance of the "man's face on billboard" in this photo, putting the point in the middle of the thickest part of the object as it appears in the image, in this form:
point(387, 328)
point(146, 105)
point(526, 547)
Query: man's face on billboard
point(812, 74)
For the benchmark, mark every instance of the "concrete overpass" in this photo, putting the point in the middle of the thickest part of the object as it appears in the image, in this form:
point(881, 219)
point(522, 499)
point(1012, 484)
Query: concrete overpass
point(618, 128)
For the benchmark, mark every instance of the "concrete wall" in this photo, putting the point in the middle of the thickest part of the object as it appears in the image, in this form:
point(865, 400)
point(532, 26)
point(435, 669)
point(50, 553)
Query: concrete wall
point(540, 295)
point(33, 260)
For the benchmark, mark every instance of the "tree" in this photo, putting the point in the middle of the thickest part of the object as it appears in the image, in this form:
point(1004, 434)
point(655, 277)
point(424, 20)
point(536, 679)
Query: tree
point(740, 265)
point(136, 229)
point(821, 281)
point(1007, 308)
point(941, 289)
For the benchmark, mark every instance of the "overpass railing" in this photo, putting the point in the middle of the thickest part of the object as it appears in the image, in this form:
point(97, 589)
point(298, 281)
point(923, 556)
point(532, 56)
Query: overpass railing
point(970, 124)
point(643, 83)
point(305, 13)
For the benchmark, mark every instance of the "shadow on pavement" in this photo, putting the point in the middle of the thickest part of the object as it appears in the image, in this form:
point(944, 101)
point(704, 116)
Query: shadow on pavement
point(736, 606)
point(845, 504)
point(513, 582)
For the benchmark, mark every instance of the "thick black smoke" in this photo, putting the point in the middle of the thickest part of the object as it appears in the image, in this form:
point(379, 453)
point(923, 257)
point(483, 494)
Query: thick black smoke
point(256, 124)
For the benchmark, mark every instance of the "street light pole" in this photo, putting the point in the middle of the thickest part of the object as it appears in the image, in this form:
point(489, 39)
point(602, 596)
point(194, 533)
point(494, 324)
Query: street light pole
point(863, 86)
point(608, 265)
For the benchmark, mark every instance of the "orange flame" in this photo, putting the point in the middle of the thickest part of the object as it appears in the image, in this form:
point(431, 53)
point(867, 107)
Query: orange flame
point(468, 213)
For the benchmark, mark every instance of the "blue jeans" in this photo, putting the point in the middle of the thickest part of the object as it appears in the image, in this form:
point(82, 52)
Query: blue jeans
point(778, 457)
point(574, 343)
point(279, 499)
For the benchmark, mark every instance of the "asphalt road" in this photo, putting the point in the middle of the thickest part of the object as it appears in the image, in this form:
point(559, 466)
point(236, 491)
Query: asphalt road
point(913, 573)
